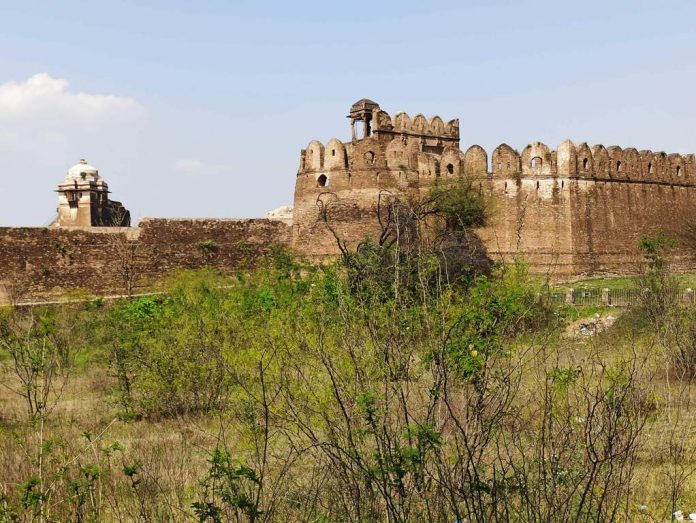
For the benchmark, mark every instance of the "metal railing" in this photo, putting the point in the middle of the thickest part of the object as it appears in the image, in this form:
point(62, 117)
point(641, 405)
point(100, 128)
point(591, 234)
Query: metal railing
point(606, 297)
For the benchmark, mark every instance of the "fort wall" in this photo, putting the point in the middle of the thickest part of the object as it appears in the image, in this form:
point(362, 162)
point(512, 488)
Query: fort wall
point(576, 210)
point(38, 263)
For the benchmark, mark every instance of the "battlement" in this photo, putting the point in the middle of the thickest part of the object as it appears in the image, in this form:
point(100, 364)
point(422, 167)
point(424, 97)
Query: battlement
point(433, 132)
point(537, 160)
point(430, 148)
point(596, 162)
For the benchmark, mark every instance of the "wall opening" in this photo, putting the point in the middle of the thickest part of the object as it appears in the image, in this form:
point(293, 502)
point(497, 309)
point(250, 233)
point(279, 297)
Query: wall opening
point(650, 168)
point(360, 130)
point(322, 181)
point(369, 157)
point(678, 170)
point(535, 163)
point(619, 166)
point(450, 168)
point(333, 152)
point(585, 163)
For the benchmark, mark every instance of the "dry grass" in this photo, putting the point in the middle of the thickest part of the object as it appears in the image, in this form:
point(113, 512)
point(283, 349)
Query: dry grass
point(171, 455)
point(85, 429)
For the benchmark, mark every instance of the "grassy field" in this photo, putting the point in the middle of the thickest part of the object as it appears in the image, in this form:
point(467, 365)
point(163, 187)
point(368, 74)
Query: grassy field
point(271, 399)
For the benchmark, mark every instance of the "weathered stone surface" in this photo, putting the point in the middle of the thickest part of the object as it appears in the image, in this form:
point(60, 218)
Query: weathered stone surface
point(41, 262)
point(574, 211)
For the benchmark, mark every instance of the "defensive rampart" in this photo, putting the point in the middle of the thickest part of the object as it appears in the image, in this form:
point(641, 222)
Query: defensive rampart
point(574, 211)
point(36, 263)
point(578, 210)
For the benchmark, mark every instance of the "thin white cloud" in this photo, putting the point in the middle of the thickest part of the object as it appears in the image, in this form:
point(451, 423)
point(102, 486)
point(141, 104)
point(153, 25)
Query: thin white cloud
point(44, 98)
point(194, 167)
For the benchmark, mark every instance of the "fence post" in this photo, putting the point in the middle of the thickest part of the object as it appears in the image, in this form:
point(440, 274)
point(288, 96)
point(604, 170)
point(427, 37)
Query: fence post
point(570, 296)
point(605, 297)
point(688, 297)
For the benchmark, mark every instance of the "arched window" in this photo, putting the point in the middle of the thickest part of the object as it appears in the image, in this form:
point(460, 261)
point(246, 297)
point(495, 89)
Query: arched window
point(618, 167)
point(535, 163)
point(678, 170)
point(650, 168)
point(585, 163)
point(322, 181)
point(369, 157)
point(450, 168)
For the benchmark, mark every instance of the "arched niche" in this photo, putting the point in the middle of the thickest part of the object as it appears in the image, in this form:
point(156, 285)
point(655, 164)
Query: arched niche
point(450, 162)
point(475, 161)
point(383, 121)
point(506, 161)
point(676, 167)
point(420, 124)
point(647, 164)
point(402, 122)
point(617, 164)
point(537, 160)
point(335, 156)
point(661, 166)
point(452, 128)
point(567, 159)
point(585, 160)
point(397, 154)
point(367, 154)
point(632, 161)
point(314, 156)
point(428, 166)
point(600, 161)
point(437, 126)
point(690, 166)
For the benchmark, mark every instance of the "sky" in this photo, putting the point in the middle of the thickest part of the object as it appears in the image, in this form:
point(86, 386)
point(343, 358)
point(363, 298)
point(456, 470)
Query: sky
point(200, 109)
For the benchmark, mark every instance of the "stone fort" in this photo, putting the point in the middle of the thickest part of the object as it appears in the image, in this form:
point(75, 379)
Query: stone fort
point(575, 211)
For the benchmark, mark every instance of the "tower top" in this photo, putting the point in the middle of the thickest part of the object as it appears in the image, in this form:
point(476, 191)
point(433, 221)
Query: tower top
point(364, 105)
point(83, 171)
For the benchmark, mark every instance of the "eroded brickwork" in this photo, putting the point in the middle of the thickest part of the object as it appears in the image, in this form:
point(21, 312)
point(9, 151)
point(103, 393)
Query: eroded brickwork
point(41, 262)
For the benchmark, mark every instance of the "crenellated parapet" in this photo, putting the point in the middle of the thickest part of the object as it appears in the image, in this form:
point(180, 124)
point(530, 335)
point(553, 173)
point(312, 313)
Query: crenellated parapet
point(368, 120)
point(536, 160)
point(596, 162)
point(574, 206)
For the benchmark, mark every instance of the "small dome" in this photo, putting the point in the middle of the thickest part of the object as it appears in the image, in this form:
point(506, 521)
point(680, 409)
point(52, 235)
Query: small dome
point(364, 105)
point(82, 170)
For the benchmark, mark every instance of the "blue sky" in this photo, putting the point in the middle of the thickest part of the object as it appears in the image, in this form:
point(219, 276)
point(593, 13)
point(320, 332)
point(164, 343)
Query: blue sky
point(201, 108)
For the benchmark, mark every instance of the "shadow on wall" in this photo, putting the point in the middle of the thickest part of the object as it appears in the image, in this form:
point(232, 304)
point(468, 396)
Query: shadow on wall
point(464, 252)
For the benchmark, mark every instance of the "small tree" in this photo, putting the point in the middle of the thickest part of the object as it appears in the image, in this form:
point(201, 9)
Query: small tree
point(657, 286)
point(208, 248)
